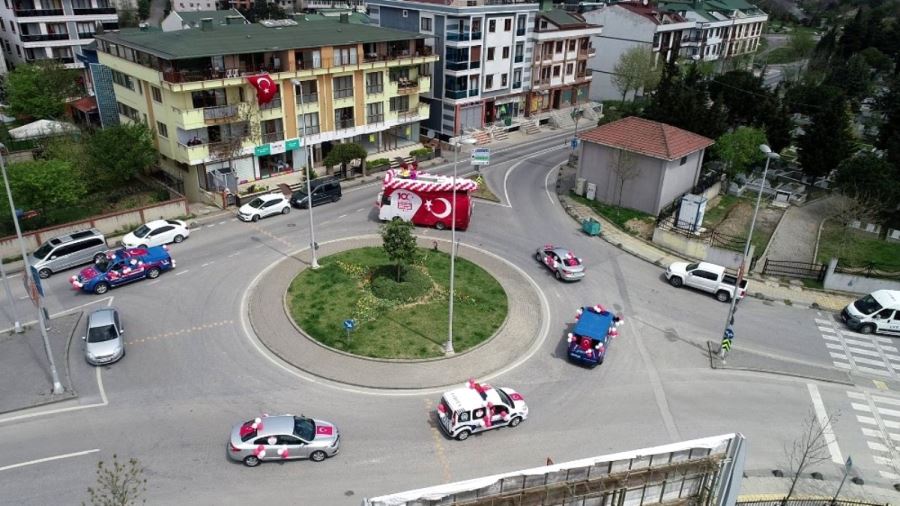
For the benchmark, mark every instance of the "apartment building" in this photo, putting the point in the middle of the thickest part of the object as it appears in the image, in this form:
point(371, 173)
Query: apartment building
point(336, 82)
point(187, 20)
point(701, 30)
point(562, 47)
point(33, 30)
point(485, 51)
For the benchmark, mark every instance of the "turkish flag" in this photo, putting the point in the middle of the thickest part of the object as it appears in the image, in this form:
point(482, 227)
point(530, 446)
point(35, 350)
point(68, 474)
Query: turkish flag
point(265, 88)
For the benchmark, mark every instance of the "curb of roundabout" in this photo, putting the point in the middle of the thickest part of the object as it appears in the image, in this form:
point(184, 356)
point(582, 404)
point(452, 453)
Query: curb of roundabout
point(274, 333)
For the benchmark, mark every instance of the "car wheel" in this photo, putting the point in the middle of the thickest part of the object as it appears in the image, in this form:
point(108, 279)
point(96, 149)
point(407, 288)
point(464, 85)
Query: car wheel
point(45, 273)
point(558, 276)
point(317, 456)
point(153, 273)
point(178, 238)
point(537, 256)
point(463, 435)
point(99, 257)
point(335, 198)
point(101, 288)
point(515, 421)
point(722, 296)
point(251, 461)
point(285, 210)
point(255, 218)
point(675, 281)
point(142, 246)
point(440, 225)
point(867, 329)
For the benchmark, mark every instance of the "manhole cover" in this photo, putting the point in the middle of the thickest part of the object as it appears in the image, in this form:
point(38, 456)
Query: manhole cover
point(291, 225)
point(348, 493)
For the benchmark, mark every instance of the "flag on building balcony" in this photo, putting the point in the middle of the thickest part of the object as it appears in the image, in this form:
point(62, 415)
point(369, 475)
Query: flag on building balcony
point(265, 88)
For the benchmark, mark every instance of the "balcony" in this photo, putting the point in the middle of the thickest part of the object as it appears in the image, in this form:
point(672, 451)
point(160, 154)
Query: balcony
point(218, 114)
point(92, 10)
point(517, 84)
point(85, 35)
point(408, 115)
point(189, 76)
point(342, 124)
point(44, 37)
point(374, 89)
point(520, 32)
point(32, 13)
point(309, 99)
point(473, 92)
point(272, 137)
point(274, 104)
point(476, 35)
point(407, 87)
point(456, 65)
point(374, 118)
point(459, 36)
point(518, 58)
point(455, 94)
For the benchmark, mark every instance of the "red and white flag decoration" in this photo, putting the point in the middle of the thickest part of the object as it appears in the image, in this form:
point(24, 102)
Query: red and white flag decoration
point(265, 88)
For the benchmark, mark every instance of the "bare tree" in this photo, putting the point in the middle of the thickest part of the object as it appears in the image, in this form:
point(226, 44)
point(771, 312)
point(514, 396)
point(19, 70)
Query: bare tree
point(118, 484)
point(809, 449)
point(625, 168)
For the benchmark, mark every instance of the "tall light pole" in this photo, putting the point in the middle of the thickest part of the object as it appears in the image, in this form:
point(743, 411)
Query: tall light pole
point(576, 115)
point(308, 155)
point(57, 386)
point(730, 321)
point(448, 346)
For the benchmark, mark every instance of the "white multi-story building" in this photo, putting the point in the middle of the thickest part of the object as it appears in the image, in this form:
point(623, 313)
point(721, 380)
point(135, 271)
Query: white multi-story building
point(485, 51)
point(33, 30)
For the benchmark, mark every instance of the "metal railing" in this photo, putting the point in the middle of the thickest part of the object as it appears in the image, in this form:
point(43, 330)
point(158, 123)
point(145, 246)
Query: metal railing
point(274, 104)
point(272, 137)
point(44, 36)
point(456, 93)
point(374, 118)
point(308, 99)
point(869, 269)
point(343, 93)
point(342, 124)
point(458, 36)
point(793, 269)
point(30, 13)
point(373, 89)
point(218, 112)
point(95, 10)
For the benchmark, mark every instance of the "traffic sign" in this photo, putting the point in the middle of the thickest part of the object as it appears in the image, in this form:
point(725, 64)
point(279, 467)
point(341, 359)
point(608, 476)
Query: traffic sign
point(37, 280)
point(729, 334)
point(349, 324)
point(574, 143)
point(481, 156)
point(726, 344)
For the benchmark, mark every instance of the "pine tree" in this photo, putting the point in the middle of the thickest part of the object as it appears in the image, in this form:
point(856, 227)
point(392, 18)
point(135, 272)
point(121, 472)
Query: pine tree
point(828, 140)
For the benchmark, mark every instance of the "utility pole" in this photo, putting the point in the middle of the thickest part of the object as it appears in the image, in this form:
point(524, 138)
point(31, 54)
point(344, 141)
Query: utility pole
point(308, 155)
point(12, 302)
point(448, 346)
point(57, 386)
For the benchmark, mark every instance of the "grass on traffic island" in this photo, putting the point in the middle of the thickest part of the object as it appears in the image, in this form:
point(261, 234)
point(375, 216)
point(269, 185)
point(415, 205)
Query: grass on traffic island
point(406, 320)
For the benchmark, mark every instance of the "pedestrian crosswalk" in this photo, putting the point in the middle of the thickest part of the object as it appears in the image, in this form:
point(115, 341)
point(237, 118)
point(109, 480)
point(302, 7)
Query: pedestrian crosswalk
point(860, 353)
point(879, 418)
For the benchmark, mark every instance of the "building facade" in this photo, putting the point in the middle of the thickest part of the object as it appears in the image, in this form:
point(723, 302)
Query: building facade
point(718, 31)
point(34, 30)
point(188, 20)
point(336, 82)
point(486, 53)
point(562, 47)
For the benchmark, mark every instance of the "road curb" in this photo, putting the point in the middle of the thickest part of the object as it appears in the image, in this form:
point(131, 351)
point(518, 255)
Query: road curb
point(716, 364)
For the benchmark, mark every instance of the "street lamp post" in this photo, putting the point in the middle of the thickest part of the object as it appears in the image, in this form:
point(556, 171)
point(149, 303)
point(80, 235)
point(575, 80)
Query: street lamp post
point(12, 303)
point(576, 115)
point(448, 346)
point(57, 386)
point(307, 154)
point(730, 321)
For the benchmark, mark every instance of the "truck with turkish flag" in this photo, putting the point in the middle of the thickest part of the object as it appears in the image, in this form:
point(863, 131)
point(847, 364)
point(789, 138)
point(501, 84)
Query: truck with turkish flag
point(425, 199)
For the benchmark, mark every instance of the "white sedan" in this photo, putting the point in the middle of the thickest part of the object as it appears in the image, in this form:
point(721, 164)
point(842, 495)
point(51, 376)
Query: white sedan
point(263, 206)
point(157, 233)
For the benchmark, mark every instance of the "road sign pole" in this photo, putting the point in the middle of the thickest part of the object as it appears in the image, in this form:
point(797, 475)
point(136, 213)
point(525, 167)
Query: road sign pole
point(847, 467)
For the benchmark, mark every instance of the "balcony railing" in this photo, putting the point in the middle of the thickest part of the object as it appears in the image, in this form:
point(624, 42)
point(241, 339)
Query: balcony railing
point(308, 99)
point(374, 89)
point(272, 137)
point(219, 112)
point(341, 124)
point(408, 115)
point(95, 10)
point(343, 93)
point(476, 35)
point(374, 118)
point(473, 92)
point(459, 36)
point(30, 13)
point(407, 87)
point(456, 93)
point(85, 35)
point(44, 36)
point(520, 31)
point(517, 84)
point(518, 58)
point(187, 76)
point(274, 104)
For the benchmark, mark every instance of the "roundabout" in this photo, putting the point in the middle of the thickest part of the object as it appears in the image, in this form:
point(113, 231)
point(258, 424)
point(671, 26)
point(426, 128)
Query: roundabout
point(516, 337)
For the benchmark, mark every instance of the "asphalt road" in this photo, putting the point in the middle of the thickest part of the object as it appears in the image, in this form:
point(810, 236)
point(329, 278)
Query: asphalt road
point(191, 372)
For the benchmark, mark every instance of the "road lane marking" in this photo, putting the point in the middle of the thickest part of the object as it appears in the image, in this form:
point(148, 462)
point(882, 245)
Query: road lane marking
point(109, 300)
point(438, 444)
point(181, 332)
point(822, 417)
point(154, 282)
point(342, 216)
point(360, 210)
point(49, 459)
point(179, 273)
point(104, 401)
point(223, 222)
point(211, 225)
point(204, 265)
point(547, 181)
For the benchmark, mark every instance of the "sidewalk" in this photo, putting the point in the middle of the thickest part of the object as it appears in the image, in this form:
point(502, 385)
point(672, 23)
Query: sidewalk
point(796, 236)
point(768, 487)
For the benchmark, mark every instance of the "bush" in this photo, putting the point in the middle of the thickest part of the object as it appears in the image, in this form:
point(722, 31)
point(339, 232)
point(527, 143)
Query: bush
point(415, 284)
point(162, 195)
point(421, 153)
point(378, 162)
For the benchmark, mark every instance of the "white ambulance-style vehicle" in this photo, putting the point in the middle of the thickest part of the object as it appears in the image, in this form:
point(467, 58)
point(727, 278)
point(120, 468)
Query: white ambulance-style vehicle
point(477, 408)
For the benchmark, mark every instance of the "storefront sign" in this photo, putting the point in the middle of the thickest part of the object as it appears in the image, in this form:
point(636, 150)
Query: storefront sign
point(292, 144)
point(276, 147)
point(262, 150)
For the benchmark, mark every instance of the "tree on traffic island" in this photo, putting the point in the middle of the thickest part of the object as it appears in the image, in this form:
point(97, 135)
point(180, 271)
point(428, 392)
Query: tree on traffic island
point(399, 244)
point(118, 484)
point(39, 90)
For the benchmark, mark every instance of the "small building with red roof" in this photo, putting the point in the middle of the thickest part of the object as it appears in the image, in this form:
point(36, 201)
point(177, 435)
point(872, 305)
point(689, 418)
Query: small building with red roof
point(639, 163)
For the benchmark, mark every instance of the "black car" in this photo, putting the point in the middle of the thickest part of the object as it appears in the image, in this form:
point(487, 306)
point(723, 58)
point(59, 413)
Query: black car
point(325, 189)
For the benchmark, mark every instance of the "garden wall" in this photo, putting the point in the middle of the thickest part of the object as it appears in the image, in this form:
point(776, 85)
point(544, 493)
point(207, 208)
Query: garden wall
point(106, 223)
point(698, 249)
point(855, 283)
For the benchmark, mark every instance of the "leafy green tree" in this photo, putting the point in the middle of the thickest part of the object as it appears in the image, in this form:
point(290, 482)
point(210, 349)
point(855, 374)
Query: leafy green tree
point(46, 185)
point(854, 77)
point(635, 71)
point(877, 60)
point(802, 44)
point(868, 177)
point(399, 244)
point(118, 484)
point(342, 154)
point(683, 101)
point(72, 150)
point(739, 149)
point(128, 14)
point(40, 90)
point(739, 91)
point(120, 153)
point(889, 132)
point(778, 125)
point(828, 140)
point(143, 9)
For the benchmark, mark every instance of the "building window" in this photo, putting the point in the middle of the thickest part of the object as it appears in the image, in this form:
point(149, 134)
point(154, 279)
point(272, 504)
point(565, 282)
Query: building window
point(556, 70)
point(492, 25)
point(490, 55)
point(571, 44)
point(344, 56)
point(543, 24)
point(559, 46)
point(488, 81)
point(18, 50)
point(375, 112)
point(343, 87)
point(375, 82)
point(2, 23)
point(343, 118)
point(307, 90)
point(505, 52)
point(129, 112)
point(517, 78)
point(426, 24)
point(122, 80)
point(405, 13)
point(520, 25)
point(162, 130)
point(310, 121)
point(400, 104)
point(683, 160)
point(570, 69)
point(504, 79)
point(157, 94)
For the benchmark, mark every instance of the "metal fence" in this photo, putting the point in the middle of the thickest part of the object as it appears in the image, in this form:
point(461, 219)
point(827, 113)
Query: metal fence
point(709, 237)
point(870, 270)
point(808, 502)
point(789, 269)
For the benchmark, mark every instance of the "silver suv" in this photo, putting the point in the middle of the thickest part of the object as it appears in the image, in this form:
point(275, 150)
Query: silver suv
point(67, 251)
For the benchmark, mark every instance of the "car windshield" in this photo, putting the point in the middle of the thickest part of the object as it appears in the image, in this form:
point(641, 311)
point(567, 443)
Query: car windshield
point(256, 203)
point(142, 231)
point(299, 194)
point(304, 428)
point(42, 252)
point(505, 398)
point(691, 267)
point(103, 265)
point(100, 334)
point(867, 305)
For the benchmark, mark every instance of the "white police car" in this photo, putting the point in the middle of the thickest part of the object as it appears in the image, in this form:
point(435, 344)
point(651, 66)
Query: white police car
point(477, 408)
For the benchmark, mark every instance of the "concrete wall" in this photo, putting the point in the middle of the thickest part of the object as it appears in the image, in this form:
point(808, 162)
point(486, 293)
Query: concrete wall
point(679, 178)
point(855, 283)
point(699, 249)
point(640, 192)
point(106, 223)
point(622, 30)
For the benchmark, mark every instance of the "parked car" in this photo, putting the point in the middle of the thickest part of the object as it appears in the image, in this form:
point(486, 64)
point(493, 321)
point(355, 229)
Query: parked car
point(561, 262)
point(326, 189)
point(283, 437)
point(263, 206)
point(877, 312)
point(103, 341)
point(123, 266)
point(708, 277)
point(477, 408)
point(157, 233)
point(67, 251)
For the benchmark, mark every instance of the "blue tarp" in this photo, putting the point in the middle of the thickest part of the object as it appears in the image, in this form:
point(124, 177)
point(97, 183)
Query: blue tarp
point(593, 325)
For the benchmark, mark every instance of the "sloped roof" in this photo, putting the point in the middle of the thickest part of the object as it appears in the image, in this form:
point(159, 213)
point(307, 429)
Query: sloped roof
point(562, 18)
point(85, 104)
point(218, 17)
point(649, 138)
point(41, 128)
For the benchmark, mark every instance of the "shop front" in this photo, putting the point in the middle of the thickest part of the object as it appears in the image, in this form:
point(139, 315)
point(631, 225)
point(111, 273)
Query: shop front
point(277, 159)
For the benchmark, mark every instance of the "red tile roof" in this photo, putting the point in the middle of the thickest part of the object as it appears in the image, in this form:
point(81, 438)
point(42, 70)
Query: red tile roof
point(646, 137)
point(85, 104)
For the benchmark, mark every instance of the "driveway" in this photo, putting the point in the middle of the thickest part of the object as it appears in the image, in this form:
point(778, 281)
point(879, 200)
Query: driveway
point(796, 236)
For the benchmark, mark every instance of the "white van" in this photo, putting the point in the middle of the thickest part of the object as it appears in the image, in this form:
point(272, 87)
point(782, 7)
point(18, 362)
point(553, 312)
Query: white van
point(877, 312)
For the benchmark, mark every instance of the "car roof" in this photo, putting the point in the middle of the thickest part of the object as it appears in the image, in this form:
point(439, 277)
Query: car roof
point(157, 223)
point(273, 425)
point(271, 196)
point(466, 398)
point(562, 252)
point(101, 317)
point(710, 267)
point(592, 324)
point(887, 297)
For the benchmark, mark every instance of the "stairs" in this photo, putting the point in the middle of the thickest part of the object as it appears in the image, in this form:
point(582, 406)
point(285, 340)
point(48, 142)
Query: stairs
point(531, 127)
point(500, 134)
point(482, 137)
point(396, 162)
point(562, 119)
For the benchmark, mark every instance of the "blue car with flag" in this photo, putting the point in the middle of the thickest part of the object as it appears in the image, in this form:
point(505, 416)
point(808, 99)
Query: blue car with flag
point(589, 340)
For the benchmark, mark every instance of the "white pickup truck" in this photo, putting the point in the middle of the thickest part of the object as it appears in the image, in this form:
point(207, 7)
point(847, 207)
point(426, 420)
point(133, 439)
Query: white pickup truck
point(710, 278)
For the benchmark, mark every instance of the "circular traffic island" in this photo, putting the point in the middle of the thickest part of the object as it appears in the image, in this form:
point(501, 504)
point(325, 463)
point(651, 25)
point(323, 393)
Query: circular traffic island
point(397, 312)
